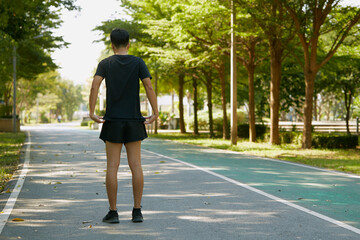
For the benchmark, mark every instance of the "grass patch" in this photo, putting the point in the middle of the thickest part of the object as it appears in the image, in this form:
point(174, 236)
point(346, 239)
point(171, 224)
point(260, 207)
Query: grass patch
point(344, 160)
point(10, 145)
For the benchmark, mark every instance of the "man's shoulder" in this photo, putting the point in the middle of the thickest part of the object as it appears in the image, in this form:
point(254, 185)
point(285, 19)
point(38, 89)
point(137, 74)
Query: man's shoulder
point(136, 58)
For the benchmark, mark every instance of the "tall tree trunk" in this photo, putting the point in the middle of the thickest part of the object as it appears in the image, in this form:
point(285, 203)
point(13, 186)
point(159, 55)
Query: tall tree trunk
point(196, 126)
point(275, 55)
point(172, 102)
point(221, 70)
point(252, 130)
point(347, 107)
point(209, 104)
point(208, 84)
point(156, 93)
point(309, 96)
point(315, 116)
point(181, 104)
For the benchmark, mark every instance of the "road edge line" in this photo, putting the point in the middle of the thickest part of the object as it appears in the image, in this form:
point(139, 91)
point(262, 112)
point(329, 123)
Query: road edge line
point(283, 201)
point(4, 216)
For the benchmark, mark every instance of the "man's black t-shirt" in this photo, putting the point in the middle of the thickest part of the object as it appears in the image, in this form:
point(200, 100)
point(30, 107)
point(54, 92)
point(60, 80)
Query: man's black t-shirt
point(122, 74)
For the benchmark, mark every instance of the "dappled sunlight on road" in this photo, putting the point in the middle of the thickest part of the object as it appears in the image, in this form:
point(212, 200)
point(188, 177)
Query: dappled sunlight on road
point(64, 194)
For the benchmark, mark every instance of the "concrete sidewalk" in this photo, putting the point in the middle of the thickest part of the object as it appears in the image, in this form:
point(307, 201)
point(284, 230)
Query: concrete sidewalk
point(64, 197)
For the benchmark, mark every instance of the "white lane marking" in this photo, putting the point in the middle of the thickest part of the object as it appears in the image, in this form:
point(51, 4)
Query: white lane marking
point(316, 214)
point(4, 216)
point(350, 175)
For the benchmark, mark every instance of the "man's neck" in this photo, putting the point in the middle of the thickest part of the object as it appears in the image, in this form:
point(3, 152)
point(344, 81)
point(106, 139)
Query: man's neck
point(121, 51)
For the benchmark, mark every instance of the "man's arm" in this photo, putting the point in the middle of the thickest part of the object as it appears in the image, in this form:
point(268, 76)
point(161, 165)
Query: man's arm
point(152, 98)
point(93, 98)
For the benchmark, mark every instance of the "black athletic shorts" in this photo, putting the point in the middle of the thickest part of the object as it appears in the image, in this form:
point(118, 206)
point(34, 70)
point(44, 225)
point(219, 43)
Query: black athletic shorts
point(123, 131)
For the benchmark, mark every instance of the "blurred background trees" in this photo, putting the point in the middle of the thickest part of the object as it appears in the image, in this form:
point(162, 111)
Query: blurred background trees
point(28, 26)
point(298, 60)
point(283, 48)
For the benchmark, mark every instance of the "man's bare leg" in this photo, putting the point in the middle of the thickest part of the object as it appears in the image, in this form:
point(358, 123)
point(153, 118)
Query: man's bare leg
point(133, 150)
point(113, 151)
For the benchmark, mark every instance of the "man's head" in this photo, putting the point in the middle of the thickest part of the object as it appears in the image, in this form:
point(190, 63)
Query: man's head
point(119, 38)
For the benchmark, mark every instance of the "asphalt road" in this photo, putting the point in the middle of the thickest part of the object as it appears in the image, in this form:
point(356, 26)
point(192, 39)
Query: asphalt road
point(190, 193)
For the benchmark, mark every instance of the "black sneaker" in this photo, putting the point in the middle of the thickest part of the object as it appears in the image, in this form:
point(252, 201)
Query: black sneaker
point(111, 217)
point(136, 215)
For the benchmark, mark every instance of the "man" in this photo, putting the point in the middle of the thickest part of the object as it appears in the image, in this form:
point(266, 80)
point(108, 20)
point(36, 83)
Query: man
point(123, 123)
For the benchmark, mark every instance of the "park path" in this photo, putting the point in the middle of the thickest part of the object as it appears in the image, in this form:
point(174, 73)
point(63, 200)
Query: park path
point(63, 196)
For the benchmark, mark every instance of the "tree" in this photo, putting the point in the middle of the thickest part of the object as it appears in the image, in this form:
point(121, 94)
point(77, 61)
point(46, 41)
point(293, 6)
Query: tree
point(70, 96)
point(28, 25)
point(249, 41)
point(278, 32)
point(313, 20)
point(202, 28)
point(344, 80)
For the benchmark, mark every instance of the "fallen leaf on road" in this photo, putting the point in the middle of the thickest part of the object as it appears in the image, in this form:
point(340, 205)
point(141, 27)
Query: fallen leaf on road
point(17, 220)
point(58, 183)
point(90, 226)
point(162, 162)
point(157, 172)
point(8, 191)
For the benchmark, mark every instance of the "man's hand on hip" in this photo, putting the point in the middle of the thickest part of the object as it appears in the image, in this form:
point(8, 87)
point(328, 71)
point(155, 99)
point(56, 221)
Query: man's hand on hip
point(150, 119)
point(97, 118)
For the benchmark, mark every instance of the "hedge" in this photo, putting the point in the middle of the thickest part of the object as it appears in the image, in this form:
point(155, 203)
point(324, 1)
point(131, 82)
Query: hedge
point(243, 130)
point(335, 141)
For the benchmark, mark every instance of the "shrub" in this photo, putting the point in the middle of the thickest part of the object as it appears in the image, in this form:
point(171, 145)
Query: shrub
point(84, 123)
point(243, 130)
point(203, 124)
point(144, 113)
point(43, 118)
point(218, 124)
point(5, 111)
point(286, 137)
point(290, 137)
point(334, 141)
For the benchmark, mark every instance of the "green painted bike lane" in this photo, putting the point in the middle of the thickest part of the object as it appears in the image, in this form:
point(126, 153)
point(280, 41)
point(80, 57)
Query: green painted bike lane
point(330, 193)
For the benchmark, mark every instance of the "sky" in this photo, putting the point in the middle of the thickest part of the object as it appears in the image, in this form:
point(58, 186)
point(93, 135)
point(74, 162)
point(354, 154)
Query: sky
point(78, 61)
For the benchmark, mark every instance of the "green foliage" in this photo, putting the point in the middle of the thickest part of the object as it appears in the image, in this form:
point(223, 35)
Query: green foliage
point(44, 118)
point(70, 96)
point(335, 141)
point(243, 130)
point(164, 118)
point(86, 123)
point(5, 111)
point(29, 26)
point(291, 137)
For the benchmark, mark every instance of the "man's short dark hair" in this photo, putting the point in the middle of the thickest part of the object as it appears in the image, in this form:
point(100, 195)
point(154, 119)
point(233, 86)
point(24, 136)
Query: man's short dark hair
point(119, 38)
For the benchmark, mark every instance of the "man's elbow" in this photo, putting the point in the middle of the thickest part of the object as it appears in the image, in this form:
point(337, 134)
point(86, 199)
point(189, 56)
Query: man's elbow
point(149, 87)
